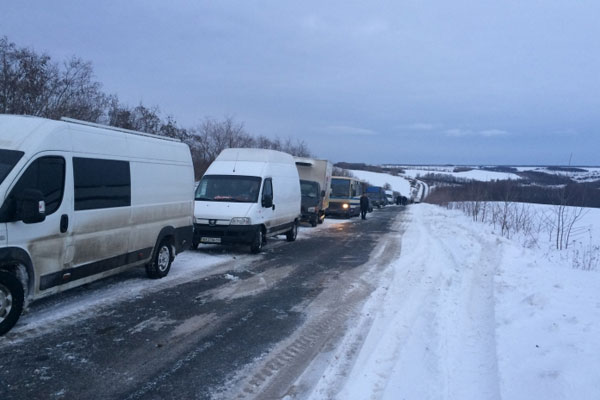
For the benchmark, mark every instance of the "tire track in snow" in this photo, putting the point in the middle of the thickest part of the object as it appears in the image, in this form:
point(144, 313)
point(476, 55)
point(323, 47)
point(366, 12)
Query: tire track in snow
point(434, 334)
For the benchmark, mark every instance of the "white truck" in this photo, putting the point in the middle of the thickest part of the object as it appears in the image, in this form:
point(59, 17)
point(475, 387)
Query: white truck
point(82, 201)
point(315, 186)
point(245, 196)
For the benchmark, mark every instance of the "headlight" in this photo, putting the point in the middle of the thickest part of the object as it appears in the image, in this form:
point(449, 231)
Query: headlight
point(240, 221)
point(311, 209)
point(345, 206)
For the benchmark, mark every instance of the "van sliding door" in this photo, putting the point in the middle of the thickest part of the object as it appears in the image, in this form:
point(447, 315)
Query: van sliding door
point(101, 220)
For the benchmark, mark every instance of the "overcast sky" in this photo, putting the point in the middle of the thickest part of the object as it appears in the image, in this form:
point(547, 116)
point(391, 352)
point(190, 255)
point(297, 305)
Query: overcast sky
point(467, 82)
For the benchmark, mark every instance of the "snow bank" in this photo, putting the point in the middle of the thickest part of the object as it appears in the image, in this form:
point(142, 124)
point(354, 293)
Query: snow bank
point(466, 314)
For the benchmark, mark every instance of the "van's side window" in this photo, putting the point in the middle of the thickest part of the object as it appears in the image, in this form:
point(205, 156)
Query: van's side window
point(101, 183)
point(267, 188)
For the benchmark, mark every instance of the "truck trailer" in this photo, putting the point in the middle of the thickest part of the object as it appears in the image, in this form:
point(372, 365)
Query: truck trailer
point(315, 186)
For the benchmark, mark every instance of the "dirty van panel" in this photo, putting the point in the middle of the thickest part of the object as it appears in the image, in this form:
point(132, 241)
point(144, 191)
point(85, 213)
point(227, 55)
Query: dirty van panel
point(46, 254)
point(100, 234)
point(148, 221)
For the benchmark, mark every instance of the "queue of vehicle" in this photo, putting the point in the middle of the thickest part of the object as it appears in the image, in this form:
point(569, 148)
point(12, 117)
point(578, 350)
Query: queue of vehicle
point(82, 201)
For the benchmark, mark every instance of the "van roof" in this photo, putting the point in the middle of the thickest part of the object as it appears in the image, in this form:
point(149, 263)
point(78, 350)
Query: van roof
point(257, 155)
point(35, 134)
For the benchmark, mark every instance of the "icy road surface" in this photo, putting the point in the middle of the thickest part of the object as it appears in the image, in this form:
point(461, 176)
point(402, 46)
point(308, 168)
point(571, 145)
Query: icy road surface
point(223, 324)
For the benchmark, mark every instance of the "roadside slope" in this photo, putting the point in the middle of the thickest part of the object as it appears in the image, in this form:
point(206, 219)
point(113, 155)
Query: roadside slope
point(465, 314)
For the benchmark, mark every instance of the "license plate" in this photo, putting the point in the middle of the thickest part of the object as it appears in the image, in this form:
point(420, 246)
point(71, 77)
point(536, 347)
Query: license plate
point(210, 240)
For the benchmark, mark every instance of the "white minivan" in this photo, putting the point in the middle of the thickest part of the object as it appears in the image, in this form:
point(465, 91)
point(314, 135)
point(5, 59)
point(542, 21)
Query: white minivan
point(81, 201)
point(245, 196)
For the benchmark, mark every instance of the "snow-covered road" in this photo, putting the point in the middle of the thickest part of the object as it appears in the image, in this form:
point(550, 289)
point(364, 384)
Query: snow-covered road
point(465, 314)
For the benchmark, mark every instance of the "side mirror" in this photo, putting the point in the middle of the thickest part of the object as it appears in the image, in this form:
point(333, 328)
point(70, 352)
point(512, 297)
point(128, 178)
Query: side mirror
point(322, 193)
point(267, 201)
point(31, 207)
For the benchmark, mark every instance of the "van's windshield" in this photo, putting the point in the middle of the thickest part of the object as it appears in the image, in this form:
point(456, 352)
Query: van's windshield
point(229, 188)
point(8, 159)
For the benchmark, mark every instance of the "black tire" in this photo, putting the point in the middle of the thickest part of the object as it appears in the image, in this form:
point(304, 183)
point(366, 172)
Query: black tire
point(291, 235)
point(12, 297)
point(321, 219)
point(314, 221)
point(160, 265)
point(259, 240)
point(195, 245)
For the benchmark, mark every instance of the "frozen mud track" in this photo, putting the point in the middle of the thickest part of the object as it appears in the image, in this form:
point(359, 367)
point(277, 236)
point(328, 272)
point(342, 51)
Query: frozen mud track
point(193, 337)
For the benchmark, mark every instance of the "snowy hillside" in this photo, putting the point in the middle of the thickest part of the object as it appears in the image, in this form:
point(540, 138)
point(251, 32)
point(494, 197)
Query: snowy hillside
point(474, 174)
point(486, 173)
point(466, 314)
point(398, 183)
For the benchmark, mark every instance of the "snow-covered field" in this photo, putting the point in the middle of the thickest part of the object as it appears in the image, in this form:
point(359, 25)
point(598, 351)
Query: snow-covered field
point(467, 314)
point(580, 174)
point(474, 174)
point(398, 183)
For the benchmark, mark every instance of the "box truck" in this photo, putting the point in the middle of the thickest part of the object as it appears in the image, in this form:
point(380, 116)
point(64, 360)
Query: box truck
point(245, 196)
point(315, 187)
point(82, 201)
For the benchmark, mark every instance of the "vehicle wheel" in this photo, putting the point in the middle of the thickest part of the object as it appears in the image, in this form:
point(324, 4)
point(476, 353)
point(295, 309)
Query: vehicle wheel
point(195, 245)
point(313, 221)
point(11, 301)
point(292, 233)
point(259, 240)
point(160, 266)
point(321, 219)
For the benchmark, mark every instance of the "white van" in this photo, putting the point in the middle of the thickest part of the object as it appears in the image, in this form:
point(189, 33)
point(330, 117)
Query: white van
point(82, 201)
point(245, 196)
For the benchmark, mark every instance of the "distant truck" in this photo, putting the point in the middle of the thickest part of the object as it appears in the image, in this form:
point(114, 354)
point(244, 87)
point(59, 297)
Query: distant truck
point(315, 187)
point(81, 201)
point(245, 196)
point(377, 196)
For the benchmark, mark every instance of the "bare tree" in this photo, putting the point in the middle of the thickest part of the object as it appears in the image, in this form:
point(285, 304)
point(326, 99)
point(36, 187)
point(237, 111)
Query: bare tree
point(33, 84)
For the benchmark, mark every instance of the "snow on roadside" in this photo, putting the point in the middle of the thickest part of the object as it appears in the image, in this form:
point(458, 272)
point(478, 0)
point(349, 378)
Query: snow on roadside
point(467, 314)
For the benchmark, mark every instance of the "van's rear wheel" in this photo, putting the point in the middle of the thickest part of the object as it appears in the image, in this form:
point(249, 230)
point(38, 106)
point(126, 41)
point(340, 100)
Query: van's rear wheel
point(292, 233)
point(12, 296)
point(160, 265)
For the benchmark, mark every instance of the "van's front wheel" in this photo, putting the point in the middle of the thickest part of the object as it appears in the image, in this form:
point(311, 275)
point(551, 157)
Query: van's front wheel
point(12, 296)
point(160, 265)
point(259, 240)
point(292, 233)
